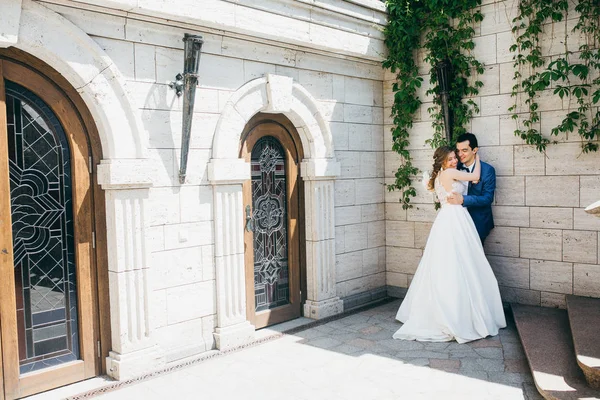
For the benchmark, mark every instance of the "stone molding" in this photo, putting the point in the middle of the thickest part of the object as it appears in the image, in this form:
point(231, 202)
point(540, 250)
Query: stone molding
point(10, 19)
point(123, 174)
point(227, 172)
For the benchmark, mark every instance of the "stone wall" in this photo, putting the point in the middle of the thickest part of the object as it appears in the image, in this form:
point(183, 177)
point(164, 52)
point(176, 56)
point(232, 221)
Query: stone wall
point(332, 49)
point(544, 245)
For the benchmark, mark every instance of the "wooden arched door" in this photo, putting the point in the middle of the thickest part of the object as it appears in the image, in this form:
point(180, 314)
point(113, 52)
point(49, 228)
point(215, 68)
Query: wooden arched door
point(47, 258)
point(273, 234)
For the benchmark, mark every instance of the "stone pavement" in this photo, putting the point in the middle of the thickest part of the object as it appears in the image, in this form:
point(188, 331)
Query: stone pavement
point(353, 357)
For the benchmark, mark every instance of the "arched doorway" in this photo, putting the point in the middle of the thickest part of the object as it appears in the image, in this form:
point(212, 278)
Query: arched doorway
point(274, 211)
point(49, 288)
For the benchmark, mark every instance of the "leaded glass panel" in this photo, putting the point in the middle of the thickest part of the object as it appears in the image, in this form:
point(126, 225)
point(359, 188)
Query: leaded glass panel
point(271, 282)
point(42, 228)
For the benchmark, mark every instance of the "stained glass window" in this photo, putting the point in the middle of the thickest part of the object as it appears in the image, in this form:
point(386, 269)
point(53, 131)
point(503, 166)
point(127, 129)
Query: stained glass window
point(42, 227)
point(271, 282)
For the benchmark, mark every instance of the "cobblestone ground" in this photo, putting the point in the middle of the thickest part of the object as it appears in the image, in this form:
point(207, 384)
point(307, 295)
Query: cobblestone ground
point(352, 358)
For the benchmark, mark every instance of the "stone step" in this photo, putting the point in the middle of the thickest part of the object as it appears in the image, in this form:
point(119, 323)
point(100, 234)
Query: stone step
point(548, 345)
point(584, 318)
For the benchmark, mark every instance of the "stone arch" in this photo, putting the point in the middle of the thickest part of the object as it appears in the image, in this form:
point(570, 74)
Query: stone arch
point(125, 173)
point(227, 172)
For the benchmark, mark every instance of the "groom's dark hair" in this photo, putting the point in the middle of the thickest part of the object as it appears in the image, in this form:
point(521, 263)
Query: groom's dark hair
point(470, 137)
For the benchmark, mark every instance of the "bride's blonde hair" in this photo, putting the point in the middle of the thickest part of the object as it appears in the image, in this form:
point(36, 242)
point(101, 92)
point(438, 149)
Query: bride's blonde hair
point(439, 158)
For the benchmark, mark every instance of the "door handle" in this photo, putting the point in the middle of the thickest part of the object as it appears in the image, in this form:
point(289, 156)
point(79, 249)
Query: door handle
point(249, 223)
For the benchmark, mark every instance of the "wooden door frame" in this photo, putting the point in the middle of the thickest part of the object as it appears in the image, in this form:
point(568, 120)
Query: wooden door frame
point(54, 82)
point(295, 196)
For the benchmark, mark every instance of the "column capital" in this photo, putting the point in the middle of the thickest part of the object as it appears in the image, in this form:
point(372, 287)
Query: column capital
point(132, 173)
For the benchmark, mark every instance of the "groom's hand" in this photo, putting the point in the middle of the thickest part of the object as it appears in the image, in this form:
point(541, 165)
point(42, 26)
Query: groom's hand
point(455, 198)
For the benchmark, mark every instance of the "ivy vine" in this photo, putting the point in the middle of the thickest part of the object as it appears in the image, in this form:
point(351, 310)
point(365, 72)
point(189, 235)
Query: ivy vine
point(574, 76)
point(444, 29)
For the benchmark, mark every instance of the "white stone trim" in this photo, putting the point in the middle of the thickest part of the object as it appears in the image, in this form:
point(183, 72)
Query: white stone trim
point(123, 174)
point(227, 172)
point(10, 19)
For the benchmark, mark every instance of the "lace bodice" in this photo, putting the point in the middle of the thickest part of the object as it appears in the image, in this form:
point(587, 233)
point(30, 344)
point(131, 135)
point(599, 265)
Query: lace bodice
point(457, 186)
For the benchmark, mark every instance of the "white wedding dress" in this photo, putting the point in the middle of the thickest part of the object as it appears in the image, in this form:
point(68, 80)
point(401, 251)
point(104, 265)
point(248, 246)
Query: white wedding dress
point(454, 293)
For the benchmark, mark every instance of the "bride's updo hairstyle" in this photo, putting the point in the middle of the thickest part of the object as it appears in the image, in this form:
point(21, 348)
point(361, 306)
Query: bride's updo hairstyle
point(439, 159)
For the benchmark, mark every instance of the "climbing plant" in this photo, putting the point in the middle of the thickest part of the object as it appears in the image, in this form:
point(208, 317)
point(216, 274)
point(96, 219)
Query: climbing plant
point(435, 30)
point(572, 76)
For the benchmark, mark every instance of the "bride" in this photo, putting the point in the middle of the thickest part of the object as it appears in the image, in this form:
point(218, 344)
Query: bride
point(454, 294)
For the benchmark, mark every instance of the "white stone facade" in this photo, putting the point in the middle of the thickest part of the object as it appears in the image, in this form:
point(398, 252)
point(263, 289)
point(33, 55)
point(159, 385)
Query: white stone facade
point(175, 268)
point(544, 245)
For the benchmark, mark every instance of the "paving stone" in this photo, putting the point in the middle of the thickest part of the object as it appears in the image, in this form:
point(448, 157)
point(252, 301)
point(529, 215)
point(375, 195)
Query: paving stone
point(487, 342)
point(518, 365)
point(324, 343)
point(362, 343)
point(513, 351)
point(396, 344)
point(445, 365)
point(490, 352)
point(420, 354)
point(434, 346)
point(506, 378)
point(346, 349)
point(421, 362)
point(482, 364)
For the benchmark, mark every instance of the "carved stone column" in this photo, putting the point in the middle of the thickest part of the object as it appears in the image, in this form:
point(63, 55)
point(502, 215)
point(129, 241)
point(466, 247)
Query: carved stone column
point(319, 178)
point(126, 184)
point(227, 176)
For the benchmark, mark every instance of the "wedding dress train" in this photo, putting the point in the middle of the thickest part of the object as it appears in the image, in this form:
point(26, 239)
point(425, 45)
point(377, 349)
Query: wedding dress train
point(454, 293)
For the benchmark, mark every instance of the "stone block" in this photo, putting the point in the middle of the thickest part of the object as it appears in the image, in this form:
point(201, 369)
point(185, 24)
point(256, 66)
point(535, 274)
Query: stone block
point(350, 164)
point(396, 279)
point(490, 79)
point(253, 70)
point(419, 133)
point(319, 84)
point(487, 130)
point(510, 272)
point(340, 239)
point(521, 296)
point(544, 244)
point(121, 53)
point(586, 280)
point(155, 238)
point(500, 157)
point(356, 237)
point(376, 232)
point(369, 164)
point(344, 192)
point(218, 72)
point(550, 276)
point(507, 73)
point(511, 216)
point(554, 300)
point(188, 235)
point(339, 132)
point(360, 285)
point(400, 233)
point(369, 191)
point(422, 230)
point(198, 300)
point(508, 125)
point(504, 39)
point(551, 217)
point(348, 215)
point(510, 191)
point(498, 19)
point(164, 207)
point(485, 49)
point(108, 26)
point(208, 263)
point(421, 213)
point(358, 114)
point(371, 262)
point(392, 162)
point(348, 266)
point(503, 241)
point(176, 267)
point(181, 340)
point(360, 137)
point(567, 159)
point(528, 161)
point(584, 221)
point(358, 91)
point(144, 62)
point(496, 105)
point(402, 259)
point(263, 54)
point(589, 190)
point(158, 300)
point(552, 191)
point(394, 212)
point(372, 212)
point(195, 203)
point(580, 247)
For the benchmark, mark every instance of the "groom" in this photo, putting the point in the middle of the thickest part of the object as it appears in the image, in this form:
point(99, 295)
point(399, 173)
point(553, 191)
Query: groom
point(478, 199)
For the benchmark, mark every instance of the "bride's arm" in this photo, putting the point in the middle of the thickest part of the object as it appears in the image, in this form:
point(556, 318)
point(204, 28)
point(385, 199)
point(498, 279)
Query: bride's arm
point(466, 176)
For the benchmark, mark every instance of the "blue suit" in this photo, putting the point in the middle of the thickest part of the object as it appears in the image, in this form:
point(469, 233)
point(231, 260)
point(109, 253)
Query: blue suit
point(479, 198)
